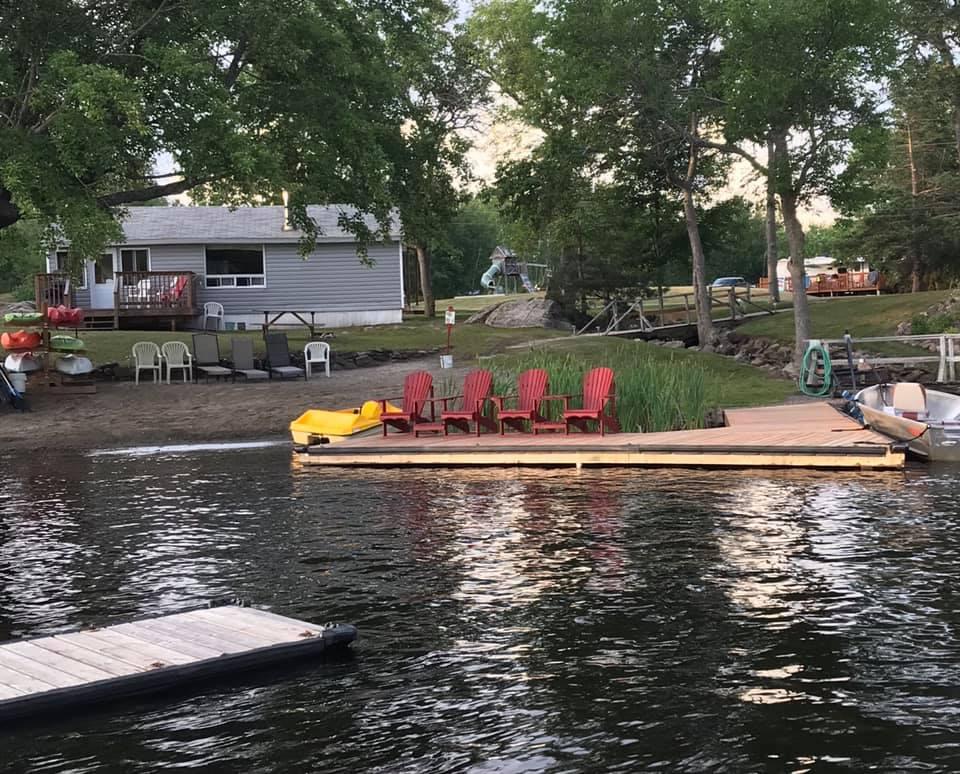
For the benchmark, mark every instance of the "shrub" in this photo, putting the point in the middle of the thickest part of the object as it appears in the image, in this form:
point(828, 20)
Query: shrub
point(927, 325)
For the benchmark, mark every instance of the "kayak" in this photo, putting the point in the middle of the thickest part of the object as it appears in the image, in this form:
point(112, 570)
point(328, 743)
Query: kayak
point(323, 426)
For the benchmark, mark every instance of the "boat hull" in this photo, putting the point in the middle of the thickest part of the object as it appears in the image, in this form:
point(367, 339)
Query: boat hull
point(935, 437)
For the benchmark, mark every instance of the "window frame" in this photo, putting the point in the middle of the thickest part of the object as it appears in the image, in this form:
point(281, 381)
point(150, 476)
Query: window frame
point(122, 250)
point(55, 269)
point(229, 281)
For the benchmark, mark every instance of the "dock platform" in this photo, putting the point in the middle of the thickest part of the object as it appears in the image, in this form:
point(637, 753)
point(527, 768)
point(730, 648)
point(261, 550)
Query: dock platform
point(809, 435)
point(98, 665)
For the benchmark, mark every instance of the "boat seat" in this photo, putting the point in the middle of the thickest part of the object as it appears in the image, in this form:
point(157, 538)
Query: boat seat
point(910, 400)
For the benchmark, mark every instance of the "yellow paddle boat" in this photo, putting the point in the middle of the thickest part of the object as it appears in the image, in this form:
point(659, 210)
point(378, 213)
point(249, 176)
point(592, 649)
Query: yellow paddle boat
point(321, 426)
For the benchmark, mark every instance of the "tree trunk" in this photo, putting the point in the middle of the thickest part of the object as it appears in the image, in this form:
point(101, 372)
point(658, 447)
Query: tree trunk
point(771, 228)
point(426, 282)
point(916, 263)
point(9, 212)
point(701, 294)
point(795, 238)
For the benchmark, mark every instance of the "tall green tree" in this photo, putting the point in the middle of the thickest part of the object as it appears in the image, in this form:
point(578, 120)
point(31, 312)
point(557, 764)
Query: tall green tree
point(803, 75)
point(621, 91)
point(247, 98)
point(447, 91)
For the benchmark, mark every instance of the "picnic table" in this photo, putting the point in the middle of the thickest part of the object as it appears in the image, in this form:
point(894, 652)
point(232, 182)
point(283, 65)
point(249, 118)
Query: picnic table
point(309, 322)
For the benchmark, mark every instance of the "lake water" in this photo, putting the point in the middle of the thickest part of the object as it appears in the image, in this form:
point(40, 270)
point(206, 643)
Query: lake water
point(510, 621)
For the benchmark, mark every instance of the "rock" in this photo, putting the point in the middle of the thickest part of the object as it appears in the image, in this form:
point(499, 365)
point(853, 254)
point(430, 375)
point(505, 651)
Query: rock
point(903, 329)
point(363, 359)
point(708, 348)
point(483, 314)
point(525, 313)
point(791, 370)
point(674, 344)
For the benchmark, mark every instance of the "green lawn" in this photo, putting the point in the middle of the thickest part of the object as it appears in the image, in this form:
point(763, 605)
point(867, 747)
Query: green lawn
point(727, 383)
point(861, 315)
point(417, 333)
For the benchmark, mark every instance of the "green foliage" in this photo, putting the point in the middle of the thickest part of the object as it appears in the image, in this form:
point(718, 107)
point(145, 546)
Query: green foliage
point(21, 256)
point(923, 324)
point(470, 237)
point(652, 394)
point(248, 99)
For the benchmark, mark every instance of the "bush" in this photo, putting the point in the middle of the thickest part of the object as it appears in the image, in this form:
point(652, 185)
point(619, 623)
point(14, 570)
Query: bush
point(926, 325)
point(653, 394)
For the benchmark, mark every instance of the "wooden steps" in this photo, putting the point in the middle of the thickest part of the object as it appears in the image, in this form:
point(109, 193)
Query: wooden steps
point(95, 665)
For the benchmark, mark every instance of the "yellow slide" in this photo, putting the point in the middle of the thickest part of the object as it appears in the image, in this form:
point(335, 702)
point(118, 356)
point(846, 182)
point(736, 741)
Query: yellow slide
point(319, 426)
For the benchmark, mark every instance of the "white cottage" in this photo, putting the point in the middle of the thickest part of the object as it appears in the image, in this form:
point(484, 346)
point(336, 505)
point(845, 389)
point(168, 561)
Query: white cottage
point(173, 260)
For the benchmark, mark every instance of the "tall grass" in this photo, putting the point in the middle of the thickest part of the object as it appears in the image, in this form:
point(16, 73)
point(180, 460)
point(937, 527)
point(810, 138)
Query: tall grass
point(653, 393)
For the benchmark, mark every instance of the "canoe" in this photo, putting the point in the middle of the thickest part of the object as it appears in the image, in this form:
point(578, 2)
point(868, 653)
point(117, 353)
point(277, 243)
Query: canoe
point(323, 426)
point(928, 421)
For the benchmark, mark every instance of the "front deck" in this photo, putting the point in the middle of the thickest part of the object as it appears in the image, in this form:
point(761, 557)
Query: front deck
point(813, 435)
point(159, 296)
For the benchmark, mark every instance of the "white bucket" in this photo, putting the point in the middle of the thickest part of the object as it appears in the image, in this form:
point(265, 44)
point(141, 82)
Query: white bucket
point(19, 382)
point(446, 361)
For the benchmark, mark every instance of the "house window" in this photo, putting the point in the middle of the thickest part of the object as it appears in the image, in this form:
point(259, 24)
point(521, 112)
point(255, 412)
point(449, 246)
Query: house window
point(235, 267)
point(60, 263)
point(134, 260)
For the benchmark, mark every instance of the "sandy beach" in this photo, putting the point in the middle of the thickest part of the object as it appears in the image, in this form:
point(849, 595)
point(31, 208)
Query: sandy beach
point(124, 414)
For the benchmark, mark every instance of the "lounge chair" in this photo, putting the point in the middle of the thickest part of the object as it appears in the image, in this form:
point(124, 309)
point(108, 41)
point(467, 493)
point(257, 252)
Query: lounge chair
point(417, 393)
point(278, 356)
point(241, 356)
point(206, 357)
point(176, 355)
point(476, 394)
point(147, 357)
point(316, 353)
point(598, 392)
point(531, 387)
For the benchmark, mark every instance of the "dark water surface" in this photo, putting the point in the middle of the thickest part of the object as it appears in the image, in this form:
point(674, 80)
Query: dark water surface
point(510, 621)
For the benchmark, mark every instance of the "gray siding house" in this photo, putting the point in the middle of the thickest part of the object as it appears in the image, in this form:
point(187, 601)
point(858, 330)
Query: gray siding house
point(172, 260)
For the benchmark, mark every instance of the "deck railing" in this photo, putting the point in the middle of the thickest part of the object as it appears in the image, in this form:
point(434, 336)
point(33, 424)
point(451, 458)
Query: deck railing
point(52, 290)
point(832, 284)
point(155, 292)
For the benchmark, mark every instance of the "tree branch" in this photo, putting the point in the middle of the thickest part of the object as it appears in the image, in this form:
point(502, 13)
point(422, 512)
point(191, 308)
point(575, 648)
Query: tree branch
point(730, 148)
point(151, 192)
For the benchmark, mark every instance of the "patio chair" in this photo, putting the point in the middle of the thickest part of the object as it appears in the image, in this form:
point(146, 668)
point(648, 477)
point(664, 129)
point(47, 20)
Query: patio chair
point(532, 385)
point(417, 392)
point(241, 356)
point(212, 311)
point(476, 395)
point(315, 354)
point(278, 356)
point(176, 355)
point(147, 357)
point(206, 357)
point(598, 392)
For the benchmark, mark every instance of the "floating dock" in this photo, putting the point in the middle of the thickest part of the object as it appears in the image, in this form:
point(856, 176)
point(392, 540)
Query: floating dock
point(807, 435)
point(97, 665)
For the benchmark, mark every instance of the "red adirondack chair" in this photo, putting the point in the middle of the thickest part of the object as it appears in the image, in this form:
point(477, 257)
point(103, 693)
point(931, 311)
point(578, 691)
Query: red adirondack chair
point(598, 391)
point(417, 393)
point(531, 387)
point(476, 393)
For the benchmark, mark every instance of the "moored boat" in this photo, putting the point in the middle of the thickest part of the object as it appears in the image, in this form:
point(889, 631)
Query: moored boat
point(927, 420)
point(321, 426)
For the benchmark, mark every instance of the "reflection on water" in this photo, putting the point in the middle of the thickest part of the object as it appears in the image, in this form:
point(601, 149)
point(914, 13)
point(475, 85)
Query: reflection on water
point(510, 620)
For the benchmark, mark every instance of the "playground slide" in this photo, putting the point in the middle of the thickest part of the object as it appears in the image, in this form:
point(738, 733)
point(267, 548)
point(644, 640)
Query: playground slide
point(526, 282)
point(488, 280)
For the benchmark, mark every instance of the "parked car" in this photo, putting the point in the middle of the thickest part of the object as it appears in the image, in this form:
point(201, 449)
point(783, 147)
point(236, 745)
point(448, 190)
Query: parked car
point(730, 282)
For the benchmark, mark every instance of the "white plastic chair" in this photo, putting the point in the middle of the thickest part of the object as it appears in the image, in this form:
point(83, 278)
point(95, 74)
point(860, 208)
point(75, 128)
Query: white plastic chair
point(315, 353)
point(212, 310)
point(176, 354)
point(147, 357)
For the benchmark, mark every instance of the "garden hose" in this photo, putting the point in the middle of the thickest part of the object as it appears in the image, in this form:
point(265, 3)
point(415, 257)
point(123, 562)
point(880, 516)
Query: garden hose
point(816, 356)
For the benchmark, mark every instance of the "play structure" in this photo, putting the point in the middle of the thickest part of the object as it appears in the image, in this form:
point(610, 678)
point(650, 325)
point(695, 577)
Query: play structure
point(504, 264)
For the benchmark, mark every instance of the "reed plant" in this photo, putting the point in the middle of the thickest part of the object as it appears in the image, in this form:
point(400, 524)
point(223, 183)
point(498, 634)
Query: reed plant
point(653, 393)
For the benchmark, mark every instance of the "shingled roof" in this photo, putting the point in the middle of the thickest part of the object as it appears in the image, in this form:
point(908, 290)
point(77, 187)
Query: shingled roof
point(191, 225)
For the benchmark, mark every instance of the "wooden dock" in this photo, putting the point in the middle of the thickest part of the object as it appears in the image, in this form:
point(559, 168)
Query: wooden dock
point(96, 665)
point(809, 435)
